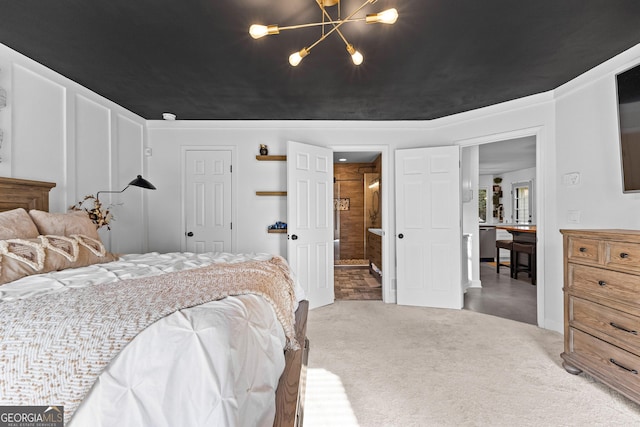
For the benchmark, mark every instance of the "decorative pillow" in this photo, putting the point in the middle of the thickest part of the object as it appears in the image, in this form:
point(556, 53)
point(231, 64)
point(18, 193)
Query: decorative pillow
point(64, 224)
point(24, 257)
point(17, 224)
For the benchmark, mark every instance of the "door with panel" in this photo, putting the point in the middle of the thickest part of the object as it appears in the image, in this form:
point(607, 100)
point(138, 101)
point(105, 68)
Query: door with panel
point(310, 220)
point(207, 201)
point(428, 227)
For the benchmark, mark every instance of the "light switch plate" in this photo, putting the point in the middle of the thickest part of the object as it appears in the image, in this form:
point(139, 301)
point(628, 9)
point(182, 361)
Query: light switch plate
point(573, 217)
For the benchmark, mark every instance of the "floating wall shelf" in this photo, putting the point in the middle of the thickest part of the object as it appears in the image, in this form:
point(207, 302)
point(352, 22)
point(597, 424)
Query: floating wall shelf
point(271, 158)
point(277, 230)
point(271, 193)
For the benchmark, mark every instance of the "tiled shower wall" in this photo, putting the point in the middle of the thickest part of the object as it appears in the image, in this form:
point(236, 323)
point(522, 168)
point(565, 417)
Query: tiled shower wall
point(350, 179)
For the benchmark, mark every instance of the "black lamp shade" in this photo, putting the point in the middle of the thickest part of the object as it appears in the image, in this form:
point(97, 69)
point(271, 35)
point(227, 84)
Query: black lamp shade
point(143, 183)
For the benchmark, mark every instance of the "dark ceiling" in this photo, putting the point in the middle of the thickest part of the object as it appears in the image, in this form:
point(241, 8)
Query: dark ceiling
point(195, 58)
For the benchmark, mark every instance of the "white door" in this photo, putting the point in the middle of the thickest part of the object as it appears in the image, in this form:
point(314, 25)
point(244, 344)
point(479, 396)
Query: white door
point(207, 201)
point(428, 239)
point(310, 220)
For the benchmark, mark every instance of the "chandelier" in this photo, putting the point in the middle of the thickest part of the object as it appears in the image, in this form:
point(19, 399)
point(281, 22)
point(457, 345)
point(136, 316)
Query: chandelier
point(388, 16)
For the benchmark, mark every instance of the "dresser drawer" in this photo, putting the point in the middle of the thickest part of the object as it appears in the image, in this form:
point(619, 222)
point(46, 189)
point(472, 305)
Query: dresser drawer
point(611, 325)
point(619, 367)
point(617, 286)
point(623, 255)
point(585, 250)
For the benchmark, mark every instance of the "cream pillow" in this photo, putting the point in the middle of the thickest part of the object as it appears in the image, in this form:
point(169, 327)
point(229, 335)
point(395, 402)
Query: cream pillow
point(64, 224)
point(17, 224)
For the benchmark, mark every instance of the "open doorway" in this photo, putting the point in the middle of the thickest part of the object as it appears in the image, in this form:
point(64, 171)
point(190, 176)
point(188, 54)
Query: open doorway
point(505, 186)
point(358, 225)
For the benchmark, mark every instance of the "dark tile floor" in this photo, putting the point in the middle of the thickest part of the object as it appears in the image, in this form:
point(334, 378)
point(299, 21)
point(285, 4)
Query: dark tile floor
point(355, 283)
point(503, 296)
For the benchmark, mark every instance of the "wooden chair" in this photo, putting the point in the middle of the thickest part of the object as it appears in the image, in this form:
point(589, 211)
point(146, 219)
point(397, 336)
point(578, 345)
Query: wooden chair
point(530, 267)
point(504, 244)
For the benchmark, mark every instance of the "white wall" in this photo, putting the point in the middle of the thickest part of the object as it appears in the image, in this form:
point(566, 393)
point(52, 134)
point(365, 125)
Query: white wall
point(56, 130)
point(588, 143)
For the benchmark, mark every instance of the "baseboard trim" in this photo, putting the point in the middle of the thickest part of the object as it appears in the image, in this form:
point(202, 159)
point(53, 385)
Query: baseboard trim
point(477, 283)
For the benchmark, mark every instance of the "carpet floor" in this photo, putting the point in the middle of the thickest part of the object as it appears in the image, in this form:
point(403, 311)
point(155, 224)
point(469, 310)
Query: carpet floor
point(376, 364)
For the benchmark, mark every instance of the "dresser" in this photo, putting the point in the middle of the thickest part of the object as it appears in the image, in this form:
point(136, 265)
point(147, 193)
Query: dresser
point(602, 307)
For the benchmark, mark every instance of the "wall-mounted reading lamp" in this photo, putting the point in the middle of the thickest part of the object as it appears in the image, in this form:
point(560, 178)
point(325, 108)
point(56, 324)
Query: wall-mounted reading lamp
point(138, 182)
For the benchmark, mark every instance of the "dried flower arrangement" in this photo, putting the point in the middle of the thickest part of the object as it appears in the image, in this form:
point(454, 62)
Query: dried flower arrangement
point(100, 216)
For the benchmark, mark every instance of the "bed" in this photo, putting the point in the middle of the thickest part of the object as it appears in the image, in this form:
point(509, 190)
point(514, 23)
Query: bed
point(193, 353)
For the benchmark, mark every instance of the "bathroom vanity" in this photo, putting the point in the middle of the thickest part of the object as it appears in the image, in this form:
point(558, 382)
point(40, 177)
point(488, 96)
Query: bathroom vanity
point(374, 252)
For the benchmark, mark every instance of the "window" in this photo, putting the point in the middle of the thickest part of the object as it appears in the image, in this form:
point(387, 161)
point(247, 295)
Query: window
point(522, 202)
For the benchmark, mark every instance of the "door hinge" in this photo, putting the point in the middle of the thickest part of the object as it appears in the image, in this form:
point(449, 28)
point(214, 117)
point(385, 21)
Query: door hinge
point(231, 225)
point(230, 168)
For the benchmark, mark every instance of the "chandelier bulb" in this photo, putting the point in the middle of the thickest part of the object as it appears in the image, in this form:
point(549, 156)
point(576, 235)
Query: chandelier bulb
point(257, 31)
point(356, 56)
point(295, 58)
point(389, 16)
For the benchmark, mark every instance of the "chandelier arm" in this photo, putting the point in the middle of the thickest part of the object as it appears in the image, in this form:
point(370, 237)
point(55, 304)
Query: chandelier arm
point(317, 42)
point(323, 17)
point(335, 27)
point(325, 13)
point(317, 24)
point(346, 43)
point(358, 9)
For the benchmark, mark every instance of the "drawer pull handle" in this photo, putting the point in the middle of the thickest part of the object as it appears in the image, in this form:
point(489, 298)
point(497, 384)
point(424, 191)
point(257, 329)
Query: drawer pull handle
point(583, 249)
point(602, 283)
point(624, 255)
point(622, 328)
point(619, 365)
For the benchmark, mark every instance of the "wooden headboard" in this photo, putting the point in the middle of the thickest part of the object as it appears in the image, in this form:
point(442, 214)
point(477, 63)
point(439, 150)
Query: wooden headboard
point(24, 193)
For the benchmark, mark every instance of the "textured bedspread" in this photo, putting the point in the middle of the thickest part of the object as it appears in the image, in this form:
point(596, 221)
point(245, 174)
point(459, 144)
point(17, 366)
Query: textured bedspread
point(54, 346)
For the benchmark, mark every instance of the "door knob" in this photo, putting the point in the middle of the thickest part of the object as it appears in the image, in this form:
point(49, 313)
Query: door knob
point(294, 237)
point(189, 234)
point(400, 236)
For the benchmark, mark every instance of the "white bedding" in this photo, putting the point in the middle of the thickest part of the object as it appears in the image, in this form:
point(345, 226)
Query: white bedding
point(213, 364)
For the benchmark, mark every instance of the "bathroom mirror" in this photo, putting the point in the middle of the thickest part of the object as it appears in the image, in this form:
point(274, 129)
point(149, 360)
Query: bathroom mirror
point(375, 205)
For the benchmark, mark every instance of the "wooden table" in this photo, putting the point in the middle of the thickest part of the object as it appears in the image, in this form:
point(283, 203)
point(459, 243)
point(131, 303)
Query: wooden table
point(521, 233)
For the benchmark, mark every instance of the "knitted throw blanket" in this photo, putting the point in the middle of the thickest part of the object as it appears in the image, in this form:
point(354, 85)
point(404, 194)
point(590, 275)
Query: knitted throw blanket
point(53, 348)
